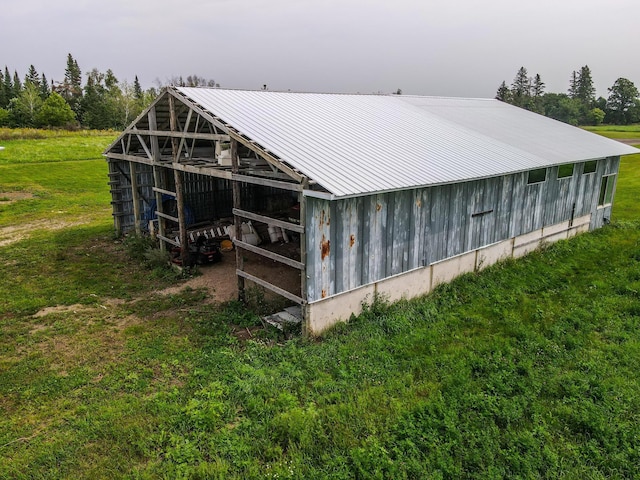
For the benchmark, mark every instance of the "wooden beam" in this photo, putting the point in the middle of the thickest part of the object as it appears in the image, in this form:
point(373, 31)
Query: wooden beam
point(184, 253)
point(272, 255)
point(157, 180)
point(236, 219)
point(295, 187)
point(271, 221)
point(129, 158)
point(161, 190)
point(168, 240)
point(270, 286)
point(135, 198)
point(144, 145)
point(303, 243)
point(155, 146)
point(168, 217)
point(211, 172)
point(233, 134)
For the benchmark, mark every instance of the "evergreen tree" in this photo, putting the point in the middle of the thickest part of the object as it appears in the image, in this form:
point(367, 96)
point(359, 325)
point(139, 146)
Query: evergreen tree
point(573, 85)
point(537, 91)
point(584, 89)
point(17, 85)
point(45, 91)
point(137, 89)
point(537, 86)
point(71, 88)
point(32, 77)
point(521, 89)
point(8, 87)
point(3, 96)
point(503, 94)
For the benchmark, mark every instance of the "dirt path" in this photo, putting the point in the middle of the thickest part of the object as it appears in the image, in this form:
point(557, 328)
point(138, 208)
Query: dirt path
point(629, 141)
point(15, 233)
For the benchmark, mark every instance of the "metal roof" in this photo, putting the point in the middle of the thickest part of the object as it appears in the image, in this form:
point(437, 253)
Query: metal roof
point(360, 144)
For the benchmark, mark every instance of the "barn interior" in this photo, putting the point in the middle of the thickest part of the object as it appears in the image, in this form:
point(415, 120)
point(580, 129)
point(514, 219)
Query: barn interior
point(185, 178)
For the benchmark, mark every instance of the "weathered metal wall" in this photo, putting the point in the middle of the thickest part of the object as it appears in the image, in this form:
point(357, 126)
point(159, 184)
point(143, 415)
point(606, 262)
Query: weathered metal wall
point(356, 241)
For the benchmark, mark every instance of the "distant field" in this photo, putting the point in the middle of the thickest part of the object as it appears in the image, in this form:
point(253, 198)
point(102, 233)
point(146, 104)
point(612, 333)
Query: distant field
point(58, 179)
point(616, 131)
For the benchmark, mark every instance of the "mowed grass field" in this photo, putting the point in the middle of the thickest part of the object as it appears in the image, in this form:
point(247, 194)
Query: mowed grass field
point(526, 370)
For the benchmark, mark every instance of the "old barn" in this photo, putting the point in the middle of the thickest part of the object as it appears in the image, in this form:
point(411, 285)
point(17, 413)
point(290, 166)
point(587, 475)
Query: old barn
point(357, 194)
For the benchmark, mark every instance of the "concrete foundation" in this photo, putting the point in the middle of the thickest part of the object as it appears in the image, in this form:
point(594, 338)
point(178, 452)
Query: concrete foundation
point(323, 314)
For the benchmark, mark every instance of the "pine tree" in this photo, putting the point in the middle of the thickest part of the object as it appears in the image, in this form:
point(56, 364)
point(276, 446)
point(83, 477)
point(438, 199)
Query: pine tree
point(137, 89)
point(7, 87)
point(17, 85)
point(503, 94)
point(3, 95)
point(585, 90)
point(32, 77)
point(45, 91)
point(71, 89)
point(573, 84)
point(521, 88)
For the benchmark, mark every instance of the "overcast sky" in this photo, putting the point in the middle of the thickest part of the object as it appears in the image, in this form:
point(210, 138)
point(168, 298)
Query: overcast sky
point(448, 47)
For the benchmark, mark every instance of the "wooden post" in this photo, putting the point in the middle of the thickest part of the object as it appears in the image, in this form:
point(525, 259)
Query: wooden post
point(178, 177)
point(184, 242)
point(135, 198)
point(157, 175)
point(237, 221)
point(303, 240)
point(303, 256)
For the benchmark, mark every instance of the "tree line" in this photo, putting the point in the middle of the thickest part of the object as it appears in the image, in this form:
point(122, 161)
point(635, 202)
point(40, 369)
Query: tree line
point(102, 102)
point(579, 106)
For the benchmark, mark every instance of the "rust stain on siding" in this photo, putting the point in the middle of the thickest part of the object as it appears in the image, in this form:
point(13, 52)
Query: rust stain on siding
point(378, 207)
point(322, 218)
point(419, 203)
point(324, 293)
point(325, 247)
point(352, 240)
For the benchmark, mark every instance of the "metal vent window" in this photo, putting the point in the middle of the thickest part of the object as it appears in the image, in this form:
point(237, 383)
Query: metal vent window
point(590, 167)
point(606, 190)
point(565, 171)
point(537, 176)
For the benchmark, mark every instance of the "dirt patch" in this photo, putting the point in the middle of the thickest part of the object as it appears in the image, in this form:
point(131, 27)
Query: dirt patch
point(15, 233)
point(221, 282)
point(629, 141)
point(77, 308)
point(11, 197)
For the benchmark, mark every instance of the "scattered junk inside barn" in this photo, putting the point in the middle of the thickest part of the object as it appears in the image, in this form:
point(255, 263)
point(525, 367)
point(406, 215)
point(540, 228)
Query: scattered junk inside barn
point(352, 196)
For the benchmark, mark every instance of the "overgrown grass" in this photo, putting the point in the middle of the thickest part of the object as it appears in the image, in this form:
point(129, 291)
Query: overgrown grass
point(626, 204)
point(55, 149)
point(36, 133)
point(526, 370)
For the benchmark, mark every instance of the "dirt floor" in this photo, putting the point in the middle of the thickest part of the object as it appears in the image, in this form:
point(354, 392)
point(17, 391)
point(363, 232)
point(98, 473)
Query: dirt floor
point(221, 281)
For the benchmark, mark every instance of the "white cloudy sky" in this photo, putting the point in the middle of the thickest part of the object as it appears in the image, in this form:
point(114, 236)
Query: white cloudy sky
point(444, 47)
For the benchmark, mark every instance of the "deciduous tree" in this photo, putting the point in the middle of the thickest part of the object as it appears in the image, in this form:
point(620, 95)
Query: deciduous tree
point(622, 97)
point(55, 112)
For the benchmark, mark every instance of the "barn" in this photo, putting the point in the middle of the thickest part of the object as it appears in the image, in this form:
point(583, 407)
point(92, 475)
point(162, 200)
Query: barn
point(372, 194)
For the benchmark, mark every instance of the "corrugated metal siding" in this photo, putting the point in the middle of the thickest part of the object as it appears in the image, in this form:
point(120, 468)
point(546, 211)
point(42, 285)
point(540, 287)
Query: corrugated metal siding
point(356, 241)
point(360, 144)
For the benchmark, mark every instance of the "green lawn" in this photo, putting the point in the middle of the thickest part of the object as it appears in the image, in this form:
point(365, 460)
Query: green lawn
point(616, 131)
point(526, 370)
